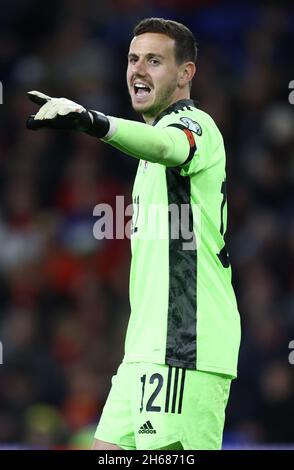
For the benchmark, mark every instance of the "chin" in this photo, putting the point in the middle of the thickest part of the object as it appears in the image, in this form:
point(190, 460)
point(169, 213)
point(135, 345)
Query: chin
point(141, 107)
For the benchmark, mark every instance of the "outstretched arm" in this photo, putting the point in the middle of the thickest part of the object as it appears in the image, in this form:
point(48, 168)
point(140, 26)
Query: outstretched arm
point(168, 146)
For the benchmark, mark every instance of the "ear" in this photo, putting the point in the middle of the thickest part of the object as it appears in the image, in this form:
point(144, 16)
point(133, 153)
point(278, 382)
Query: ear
point(187, 72)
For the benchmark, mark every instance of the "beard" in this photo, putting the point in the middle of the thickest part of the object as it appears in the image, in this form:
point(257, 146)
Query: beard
point(163, 98)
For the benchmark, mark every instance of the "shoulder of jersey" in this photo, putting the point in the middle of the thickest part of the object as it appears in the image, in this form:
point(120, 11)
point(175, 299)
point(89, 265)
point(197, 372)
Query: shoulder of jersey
point(193, 118)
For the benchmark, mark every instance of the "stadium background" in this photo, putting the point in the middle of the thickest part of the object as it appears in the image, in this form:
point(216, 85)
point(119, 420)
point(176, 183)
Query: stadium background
point(63, 294)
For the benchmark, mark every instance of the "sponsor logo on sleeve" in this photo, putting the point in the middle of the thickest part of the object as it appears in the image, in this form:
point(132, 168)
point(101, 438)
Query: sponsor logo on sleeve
point(192, 125)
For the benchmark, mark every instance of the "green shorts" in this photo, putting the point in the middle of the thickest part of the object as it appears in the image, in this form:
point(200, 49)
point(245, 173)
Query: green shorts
point(153, 406)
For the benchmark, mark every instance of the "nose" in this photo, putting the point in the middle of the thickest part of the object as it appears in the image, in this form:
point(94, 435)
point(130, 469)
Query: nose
point(139, 67)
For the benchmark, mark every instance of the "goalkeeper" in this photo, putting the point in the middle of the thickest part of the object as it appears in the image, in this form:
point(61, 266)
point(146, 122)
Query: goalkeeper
point(182, 343)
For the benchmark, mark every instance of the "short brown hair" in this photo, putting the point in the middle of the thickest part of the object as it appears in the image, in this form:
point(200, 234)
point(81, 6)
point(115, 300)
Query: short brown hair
point(185, 42)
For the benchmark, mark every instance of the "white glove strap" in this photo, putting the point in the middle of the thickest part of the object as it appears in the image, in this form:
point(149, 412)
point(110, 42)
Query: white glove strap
point(112, 127)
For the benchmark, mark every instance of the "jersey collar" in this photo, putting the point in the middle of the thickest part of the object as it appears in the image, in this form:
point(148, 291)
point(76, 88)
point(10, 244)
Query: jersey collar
point(175, 108)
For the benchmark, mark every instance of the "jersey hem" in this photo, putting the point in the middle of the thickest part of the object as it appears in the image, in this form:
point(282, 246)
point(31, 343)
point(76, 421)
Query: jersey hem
point(217, 370)
point(202, 367)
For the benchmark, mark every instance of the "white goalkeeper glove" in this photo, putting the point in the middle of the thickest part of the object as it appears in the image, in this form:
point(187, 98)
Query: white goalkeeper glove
point(61, 113)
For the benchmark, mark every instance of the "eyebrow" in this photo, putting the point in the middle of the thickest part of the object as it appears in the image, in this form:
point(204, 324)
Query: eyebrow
point(148, 56)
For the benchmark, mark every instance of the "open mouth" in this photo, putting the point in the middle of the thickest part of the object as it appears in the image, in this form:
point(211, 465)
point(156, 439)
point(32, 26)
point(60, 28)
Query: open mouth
point(141, 90)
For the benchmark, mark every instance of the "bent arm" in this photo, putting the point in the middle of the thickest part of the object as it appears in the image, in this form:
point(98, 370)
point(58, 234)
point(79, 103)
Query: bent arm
point(168, 146)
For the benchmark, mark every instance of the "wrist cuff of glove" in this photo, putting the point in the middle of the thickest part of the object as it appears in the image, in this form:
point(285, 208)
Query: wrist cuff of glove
point(100, 124)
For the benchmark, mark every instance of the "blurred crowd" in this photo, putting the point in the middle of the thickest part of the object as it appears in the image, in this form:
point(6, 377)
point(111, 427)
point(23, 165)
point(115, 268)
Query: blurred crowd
point(64, 294)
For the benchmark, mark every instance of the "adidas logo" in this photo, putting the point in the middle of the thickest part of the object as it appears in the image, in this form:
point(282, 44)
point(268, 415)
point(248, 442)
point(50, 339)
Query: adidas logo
point(147, 428)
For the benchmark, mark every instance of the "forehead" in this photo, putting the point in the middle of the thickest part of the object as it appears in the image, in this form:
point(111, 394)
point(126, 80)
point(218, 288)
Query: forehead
point(155, 43)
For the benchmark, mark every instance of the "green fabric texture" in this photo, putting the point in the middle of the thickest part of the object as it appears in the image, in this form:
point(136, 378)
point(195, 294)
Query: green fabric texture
point(183, 306)
point(136, 414)
point(166, 146)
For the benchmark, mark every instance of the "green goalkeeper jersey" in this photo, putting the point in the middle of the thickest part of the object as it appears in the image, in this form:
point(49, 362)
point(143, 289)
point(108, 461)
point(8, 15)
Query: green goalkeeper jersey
point(183, 307)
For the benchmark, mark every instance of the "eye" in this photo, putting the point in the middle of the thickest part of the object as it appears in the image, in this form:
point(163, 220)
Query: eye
point(154, 61)
point(132, 60)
